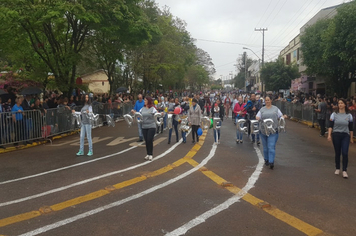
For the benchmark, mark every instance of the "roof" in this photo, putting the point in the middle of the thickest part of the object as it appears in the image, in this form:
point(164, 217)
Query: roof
point(93, 72)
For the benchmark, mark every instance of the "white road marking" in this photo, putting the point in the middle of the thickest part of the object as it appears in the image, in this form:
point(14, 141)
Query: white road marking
point(118, 203)
point(155, 143)
point(67, 167)
point(94, 140)
point(225, 205)
point(119, 140)
point(91, 179)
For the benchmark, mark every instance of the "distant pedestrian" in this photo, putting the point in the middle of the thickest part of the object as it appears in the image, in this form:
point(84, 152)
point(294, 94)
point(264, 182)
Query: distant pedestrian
point(341, 134)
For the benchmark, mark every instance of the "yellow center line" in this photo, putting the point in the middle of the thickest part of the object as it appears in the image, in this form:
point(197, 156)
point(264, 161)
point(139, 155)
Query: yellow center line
point(100, 193)
point(272, 210)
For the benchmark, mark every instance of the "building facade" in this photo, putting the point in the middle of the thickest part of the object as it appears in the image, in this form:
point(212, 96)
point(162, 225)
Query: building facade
point(97, 82)
point(292, 54)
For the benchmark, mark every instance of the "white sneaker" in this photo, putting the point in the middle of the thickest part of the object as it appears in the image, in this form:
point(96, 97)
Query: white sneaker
point(150, 158)
point(337, 172)
point(344, 174)
point(146, 157)
point(237, 141)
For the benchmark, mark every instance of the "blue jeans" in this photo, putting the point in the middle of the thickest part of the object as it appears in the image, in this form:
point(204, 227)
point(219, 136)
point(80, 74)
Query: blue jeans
point(341, 143)
point(184, 134)
point(85, 129)
point(257, 137)
point(239, 134)
point(217, 131)
point(269, 146)
point(175, 127)
point(165, 121)
point(140, 134)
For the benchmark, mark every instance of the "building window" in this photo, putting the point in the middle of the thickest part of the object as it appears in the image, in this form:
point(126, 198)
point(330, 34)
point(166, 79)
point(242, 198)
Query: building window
point(102, 83)
point(288, 58)
point(298, 54)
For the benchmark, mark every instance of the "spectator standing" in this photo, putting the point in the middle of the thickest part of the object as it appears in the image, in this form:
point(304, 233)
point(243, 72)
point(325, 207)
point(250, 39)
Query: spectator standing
point(341, 134)
point(321, 115)
point(17, 117)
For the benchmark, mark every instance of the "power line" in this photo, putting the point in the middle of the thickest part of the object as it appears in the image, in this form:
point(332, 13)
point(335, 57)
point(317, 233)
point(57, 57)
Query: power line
point(261, 19)
point(277, 12)
point(295, 17)
point(242, 44)
point(290, 32)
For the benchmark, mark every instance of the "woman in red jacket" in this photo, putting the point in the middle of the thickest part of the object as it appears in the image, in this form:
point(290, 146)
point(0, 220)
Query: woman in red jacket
point(240, 113)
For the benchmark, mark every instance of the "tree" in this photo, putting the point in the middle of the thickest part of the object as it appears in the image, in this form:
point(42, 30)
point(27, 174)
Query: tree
point(57, 30)
point(329, 49)
point(243, 63)
point(111, 44)
point(276, 75)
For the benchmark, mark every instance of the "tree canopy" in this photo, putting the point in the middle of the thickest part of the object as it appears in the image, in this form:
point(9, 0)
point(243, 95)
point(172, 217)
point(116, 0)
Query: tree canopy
point(130, 40)
point(329, 49)
point(276, 75)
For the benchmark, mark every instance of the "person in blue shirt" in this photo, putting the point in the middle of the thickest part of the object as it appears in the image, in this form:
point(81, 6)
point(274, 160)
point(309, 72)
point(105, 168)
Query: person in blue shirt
point(17, 117)
point(138, 106)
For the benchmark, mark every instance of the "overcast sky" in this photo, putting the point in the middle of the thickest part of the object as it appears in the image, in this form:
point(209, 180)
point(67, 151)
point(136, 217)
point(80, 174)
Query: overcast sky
point(235, 20)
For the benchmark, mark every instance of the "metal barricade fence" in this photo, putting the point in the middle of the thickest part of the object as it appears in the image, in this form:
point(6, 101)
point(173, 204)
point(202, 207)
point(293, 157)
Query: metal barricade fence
point(21, 127)
point(306, 112)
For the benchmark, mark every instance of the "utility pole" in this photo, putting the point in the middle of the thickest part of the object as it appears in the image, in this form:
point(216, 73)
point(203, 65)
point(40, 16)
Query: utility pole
point(263, 48)
point(245, 71)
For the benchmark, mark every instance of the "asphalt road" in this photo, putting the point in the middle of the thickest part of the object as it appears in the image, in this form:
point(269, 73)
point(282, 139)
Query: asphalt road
point(200, 189)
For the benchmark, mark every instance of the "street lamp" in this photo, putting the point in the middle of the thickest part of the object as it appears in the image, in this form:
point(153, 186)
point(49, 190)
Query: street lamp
point(251, 51)
point(258, 58)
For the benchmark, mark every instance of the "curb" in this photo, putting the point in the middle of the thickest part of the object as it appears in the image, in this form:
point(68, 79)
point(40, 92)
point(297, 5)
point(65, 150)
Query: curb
point(34, 144)
point(310, 124)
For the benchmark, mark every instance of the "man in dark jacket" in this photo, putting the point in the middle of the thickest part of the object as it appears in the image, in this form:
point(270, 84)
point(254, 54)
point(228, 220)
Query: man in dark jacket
point(252, 112)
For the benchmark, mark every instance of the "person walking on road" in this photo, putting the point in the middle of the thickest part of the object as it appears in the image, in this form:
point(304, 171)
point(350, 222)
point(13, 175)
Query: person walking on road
point(269, 140)
point(321, 115)
point(240, 113)
point(86, 127)
point(175, 120)
point(217, 111)
point(227, 104)
point(138, 106)
point(341, 133)
point(252, 111)
point(194, 116)
point(148, 125)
